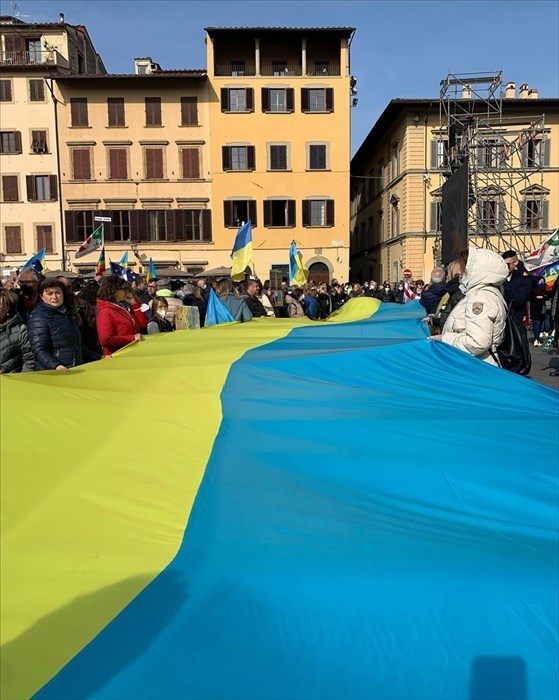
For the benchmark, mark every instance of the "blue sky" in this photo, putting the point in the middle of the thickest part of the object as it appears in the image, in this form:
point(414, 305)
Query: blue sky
point(400, 49)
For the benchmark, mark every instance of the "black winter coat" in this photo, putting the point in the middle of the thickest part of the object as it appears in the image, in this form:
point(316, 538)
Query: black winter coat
point(517, 291)
point(15, 351)
point(54, 336)
point(431, 298)
point(455, 294)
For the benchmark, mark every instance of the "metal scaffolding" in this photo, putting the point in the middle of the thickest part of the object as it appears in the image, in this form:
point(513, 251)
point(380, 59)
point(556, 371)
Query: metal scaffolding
point(505, 157)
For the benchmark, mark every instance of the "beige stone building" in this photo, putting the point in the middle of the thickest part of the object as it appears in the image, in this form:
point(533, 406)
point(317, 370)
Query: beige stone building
point(397, 175)
point(31, 57)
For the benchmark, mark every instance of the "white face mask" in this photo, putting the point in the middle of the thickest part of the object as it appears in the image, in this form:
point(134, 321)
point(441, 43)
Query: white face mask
point(161, 313)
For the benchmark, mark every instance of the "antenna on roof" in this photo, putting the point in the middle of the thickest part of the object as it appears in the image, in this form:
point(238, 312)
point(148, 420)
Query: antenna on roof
point(16, 11)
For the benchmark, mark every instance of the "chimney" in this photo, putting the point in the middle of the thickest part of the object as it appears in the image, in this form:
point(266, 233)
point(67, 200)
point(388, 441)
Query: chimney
point(510, 91)
point(523, 91)
point(466, 92)
point(533, 94)
point(61, 18)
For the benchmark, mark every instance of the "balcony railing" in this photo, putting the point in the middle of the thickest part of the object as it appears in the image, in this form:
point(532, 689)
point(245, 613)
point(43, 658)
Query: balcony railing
point(33, 58)
point(268, 70)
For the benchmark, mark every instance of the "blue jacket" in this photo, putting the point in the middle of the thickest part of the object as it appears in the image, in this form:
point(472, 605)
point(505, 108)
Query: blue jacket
point(237, 308)
point(431, 297)
point(311, 306)
point(54, 337)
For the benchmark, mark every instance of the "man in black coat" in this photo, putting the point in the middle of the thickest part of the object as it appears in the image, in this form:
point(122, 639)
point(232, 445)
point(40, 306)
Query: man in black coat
point(431, 297)
point(253, 302)
point(517, 287)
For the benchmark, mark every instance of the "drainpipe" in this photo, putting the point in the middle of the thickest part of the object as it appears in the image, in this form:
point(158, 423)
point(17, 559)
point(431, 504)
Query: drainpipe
point(59, 174)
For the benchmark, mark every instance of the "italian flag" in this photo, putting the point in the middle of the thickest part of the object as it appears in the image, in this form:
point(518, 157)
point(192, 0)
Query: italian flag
point(91, 243)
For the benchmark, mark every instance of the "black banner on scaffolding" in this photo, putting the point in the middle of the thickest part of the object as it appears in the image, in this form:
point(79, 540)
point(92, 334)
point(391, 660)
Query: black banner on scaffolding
point(454, 212)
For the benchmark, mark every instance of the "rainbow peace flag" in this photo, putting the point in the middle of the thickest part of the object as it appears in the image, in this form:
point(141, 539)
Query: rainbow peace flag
point(101, 264)
point(300, 540)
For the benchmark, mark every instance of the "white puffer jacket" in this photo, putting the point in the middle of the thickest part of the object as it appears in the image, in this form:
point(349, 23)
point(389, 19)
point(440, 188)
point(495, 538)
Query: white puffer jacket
point(477, 323)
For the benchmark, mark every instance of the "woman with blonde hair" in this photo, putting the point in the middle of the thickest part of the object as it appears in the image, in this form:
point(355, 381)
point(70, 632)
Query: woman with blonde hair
point(228, 295)
point(454, 273)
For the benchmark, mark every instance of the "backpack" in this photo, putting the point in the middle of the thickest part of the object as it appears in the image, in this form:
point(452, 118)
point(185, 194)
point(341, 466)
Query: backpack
point(513, 354)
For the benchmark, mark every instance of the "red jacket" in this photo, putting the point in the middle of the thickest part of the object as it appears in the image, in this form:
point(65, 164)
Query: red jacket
point(116, 326)
point(139, 316)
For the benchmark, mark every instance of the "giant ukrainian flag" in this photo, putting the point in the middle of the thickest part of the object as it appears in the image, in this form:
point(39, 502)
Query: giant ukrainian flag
point(311, 510)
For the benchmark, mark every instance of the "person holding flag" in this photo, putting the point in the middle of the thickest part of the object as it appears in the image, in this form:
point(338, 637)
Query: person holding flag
point(242, 253)
point(36, 262)
point(152, 274)
point(298, 273)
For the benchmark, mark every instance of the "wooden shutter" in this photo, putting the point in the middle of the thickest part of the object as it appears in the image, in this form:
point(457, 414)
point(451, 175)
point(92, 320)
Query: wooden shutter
point(304, 99)
point(291, 217)
point(70, 227)
point(224, 99)
point(115, 109)
point(252, 212)
point(189, 111)
point(434, 206)
point(44, 238)
point(191, 163)
point(9, 188)
point(227, 213)
point(139, 228)
point(545, 214)
point(118, 169)
point(5, 90)
point(53, 186)
point(267, 212)
point(31, 191)
point(179, 225)
point(226, 157)
point(434, 149)
point(206, 224)
point(501, 215)
point(78, 109)
point(17, 141)
point(524, 155)
point(329, 212)
point(249, 99)
point(251, 157)
point(289, 99)
point(170, 225)
point(154, 163)
point(523, 214)
point(81, 164)
point(13, 240)
point(153, 111)
point(546, 146)
point(265, 99)
point(306, 212)
point(329, 99)
point(36, 90)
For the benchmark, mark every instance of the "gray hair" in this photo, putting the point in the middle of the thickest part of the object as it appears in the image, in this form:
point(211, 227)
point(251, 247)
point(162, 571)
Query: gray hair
point(438, 275)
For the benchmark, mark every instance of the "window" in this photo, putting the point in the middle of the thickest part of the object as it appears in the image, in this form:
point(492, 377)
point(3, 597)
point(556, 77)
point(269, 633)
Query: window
point(81, 64)
point(317, 99)
point(39, 142)
point(279, 213)
point(318, 212)
point(535, 214)
point(278, 156)
point(436, 216)
point(238, 157)
point(534, 153)
point(192, 220)
point(395, 160)
point(141, 69)
point(190, 159)
point(237, 212)
point(237, 99)
point(277, 100)
point(189, 111)
point(42, 188)
point(44, 238)
point(381, 174)
point(121, 225)
point(10, 142)
point(395, 218)
point(317, 156)
point(154, 164)
point(34, 50)
point(153, 111)
point(115, 111)
point(321, 67)
point(279, 67)
point(10, 189)
point(84, 225)
point(488, 210)
point(5, 90)
point(36, 90)
point(13, 240)
point(81, 164)
point(157, 226)
point(438, 153)
point(78, 110)
point(490, 153)
point(118, 164)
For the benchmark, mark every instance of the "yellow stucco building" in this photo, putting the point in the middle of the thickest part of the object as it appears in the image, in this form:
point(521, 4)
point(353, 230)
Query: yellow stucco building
point(31, 57)
point(398, 172)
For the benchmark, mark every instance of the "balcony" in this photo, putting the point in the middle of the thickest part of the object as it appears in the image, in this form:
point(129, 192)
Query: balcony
point(33, 58)
point(271, 70)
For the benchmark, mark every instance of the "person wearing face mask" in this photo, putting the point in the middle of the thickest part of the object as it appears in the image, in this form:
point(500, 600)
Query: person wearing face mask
point(399, 293)
point(387, 295)
point(158, 322)
point(53, 331)
point(28, 284)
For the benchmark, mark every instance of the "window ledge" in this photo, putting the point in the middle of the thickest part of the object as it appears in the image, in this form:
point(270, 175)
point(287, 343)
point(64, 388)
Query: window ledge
point(272, 111)
point(189, 126)
point(318, 226)
point(117, 179)
point(154, 126)
point(110, 126)
point(42, 201)
point(251, 170)
point(83, 180)
point(318, 170)
point(80, 127)
point(36, 153)
point(190, 179)
point(13, 201)
point(279, 227)
point(152, 179)
point(279, 170)
point(246, 111)
point(325, 111)
point(15, 153)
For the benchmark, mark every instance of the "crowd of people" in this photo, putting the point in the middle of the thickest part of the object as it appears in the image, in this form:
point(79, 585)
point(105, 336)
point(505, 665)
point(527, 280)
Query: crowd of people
point(58, 323)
